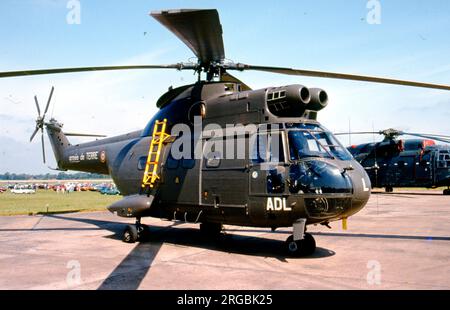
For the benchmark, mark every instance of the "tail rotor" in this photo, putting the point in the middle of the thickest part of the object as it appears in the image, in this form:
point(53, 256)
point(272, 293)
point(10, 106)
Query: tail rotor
point(40, 121)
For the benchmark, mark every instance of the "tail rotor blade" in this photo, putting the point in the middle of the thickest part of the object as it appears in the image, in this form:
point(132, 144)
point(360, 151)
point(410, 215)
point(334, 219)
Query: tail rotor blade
point(49, 99)
point(37, 106)
point(43, 147)
point(34, 134)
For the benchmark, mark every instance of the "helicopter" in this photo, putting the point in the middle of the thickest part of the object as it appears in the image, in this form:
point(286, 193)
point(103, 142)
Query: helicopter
point(405, 163)
point(292, 172)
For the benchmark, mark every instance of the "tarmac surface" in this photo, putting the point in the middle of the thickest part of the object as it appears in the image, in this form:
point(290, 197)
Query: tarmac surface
point(399, 241)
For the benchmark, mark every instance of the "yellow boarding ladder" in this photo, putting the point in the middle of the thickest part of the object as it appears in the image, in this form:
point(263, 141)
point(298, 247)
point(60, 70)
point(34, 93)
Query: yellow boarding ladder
point(151, 175)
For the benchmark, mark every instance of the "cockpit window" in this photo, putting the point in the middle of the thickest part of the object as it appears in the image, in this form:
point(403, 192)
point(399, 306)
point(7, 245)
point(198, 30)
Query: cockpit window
point(443, 159)
point(310, 140)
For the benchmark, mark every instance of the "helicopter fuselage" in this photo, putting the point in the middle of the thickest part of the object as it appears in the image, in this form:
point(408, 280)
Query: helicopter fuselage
point(405, 163)
point(255, 158)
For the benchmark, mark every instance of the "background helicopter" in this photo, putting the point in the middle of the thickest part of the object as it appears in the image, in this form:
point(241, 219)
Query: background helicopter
point(404, 163)
point(313, 179)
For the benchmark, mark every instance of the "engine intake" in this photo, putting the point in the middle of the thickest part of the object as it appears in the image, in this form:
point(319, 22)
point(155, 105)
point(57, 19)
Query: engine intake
point(288, 101)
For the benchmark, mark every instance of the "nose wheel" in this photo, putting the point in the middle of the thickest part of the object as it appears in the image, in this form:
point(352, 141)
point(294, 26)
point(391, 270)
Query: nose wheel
point(136, 232)
point(300, 243)
point(303, 247)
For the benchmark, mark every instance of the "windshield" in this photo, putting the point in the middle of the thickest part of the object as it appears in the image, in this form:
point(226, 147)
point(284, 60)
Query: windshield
point(310, 140)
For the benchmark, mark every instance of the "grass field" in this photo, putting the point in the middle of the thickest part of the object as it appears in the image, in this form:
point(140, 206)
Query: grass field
point(47, 201)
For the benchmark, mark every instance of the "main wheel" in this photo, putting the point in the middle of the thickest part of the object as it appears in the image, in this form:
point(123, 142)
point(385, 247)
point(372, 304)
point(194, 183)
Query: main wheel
point(211, 229)
point(130, 234)
point(303, 247)
point(447, 191)
point(389, 189)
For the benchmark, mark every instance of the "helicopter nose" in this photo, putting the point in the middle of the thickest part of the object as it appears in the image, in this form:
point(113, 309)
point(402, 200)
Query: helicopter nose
point(361, 187)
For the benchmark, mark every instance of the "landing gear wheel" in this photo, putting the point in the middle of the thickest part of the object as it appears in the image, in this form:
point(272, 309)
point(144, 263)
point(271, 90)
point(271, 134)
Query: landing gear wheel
point(447, 191)
point(211, 229)
point(299, 248)
point(389, 189)
point(130, 234)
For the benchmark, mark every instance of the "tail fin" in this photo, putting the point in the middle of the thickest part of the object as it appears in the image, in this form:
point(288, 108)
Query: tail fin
point(58, 140)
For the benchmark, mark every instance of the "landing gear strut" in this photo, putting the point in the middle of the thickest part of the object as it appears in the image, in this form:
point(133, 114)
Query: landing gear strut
point(300, 243)
point(137, 232)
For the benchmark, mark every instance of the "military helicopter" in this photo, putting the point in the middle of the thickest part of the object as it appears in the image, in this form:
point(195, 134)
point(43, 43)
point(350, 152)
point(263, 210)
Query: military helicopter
point(404, 163)
point(293, 174)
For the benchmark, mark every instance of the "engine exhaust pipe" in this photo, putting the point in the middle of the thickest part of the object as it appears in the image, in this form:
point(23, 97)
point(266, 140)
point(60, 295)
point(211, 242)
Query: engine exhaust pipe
point(319, 99)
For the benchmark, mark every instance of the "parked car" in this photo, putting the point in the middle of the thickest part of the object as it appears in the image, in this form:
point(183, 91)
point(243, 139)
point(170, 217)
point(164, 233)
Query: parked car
point(23, 189)
point(110, 191)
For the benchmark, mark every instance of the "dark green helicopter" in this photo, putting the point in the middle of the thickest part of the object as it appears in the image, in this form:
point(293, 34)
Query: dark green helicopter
point(404, 163)
point(292, 173)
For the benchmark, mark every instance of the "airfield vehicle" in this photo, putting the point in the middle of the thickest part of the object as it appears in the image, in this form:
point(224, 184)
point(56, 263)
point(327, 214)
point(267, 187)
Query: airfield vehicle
point(23, 189)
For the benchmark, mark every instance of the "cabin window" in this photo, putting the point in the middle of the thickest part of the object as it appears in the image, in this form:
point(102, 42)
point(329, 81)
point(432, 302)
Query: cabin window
point(213, 157)
point(142, 162)
point(268, 147)
point(197, 109)
point(188, 163)
point(213, 162)
point(275, 182)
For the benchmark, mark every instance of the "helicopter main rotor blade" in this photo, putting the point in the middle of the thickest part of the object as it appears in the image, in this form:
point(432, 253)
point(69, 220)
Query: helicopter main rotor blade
point(83, 135)
point(356, 133)
point(200, 30)
point(226, 77)
point(341, 76)
point(394, 133)
point(426, 136)
point(179, 66)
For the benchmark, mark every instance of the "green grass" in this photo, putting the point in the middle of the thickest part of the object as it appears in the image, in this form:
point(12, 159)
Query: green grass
point(49, 201)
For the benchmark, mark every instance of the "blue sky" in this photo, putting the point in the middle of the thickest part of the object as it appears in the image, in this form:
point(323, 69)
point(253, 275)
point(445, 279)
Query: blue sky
point(412, 42)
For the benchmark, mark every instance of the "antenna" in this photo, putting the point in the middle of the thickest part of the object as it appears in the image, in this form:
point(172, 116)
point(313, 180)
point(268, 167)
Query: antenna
point(349, 132)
